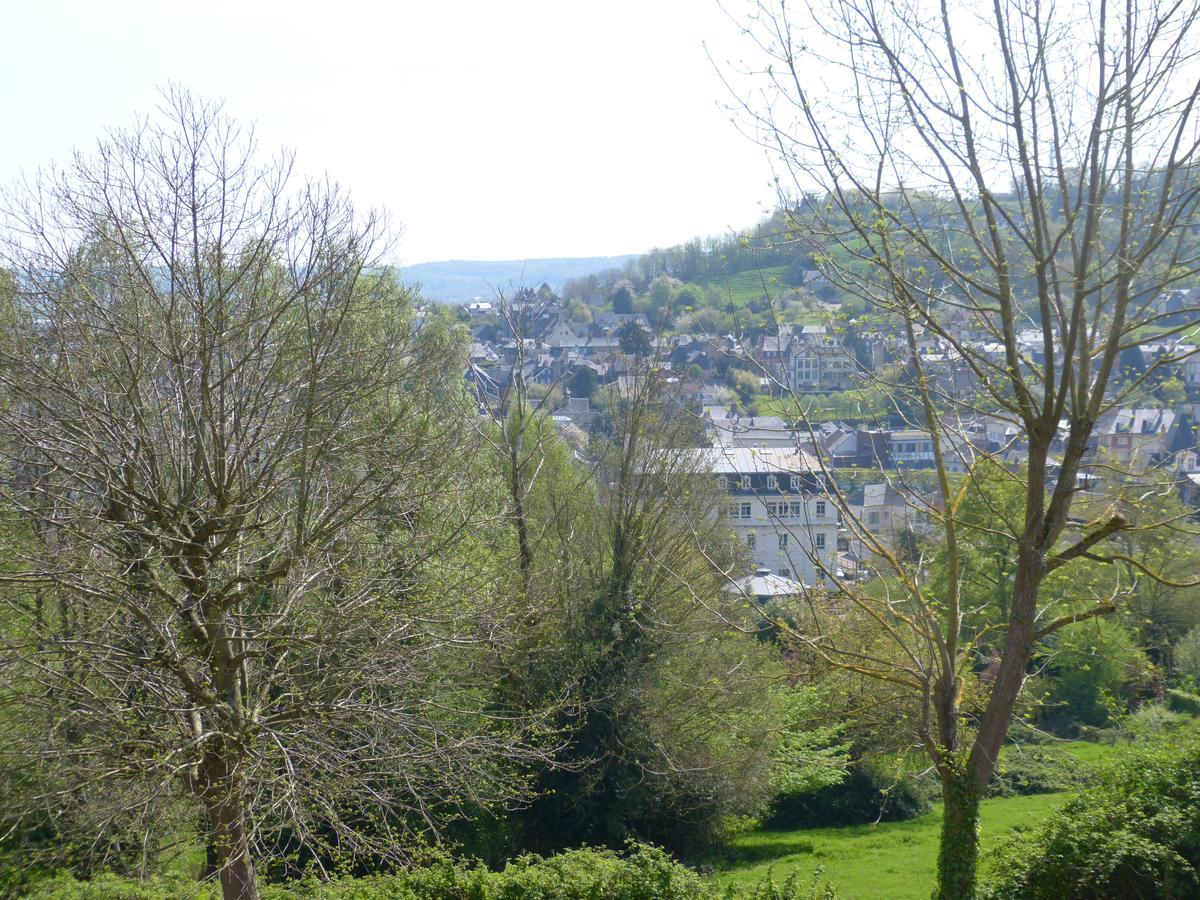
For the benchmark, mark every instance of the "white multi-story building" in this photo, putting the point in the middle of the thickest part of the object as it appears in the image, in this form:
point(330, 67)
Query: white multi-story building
point(779, 506)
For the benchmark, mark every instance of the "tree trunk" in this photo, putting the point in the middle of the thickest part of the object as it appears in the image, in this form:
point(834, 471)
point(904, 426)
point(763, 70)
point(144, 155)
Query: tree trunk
point(220, 789)
point(959, 849)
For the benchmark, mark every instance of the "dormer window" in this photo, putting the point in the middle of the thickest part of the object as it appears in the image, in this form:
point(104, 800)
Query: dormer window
point(744, 482)
point(723, 483)
point(772, 483)
point(795, 482)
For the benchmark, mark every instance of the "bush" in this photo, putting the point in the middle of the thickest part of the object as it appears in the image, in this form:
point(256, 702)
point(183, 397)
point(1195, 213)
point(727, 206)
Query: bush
point(1035, 770)
point(1156, 720)
point(642, 873)
point(1134, 831)
point(1096, 669)
point(867, 794)
point(1187, 656)
point(115, 887)
point(1183, 702)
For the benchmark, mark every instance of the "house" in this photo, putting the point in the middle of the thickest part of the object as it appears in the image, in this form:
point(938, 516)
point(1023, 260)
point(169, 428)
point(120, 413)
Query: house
point(779, 506)
point(566, 336)
point(808, 359)
point(1135, 435)
point(1179, 358)
point(890, 514)
point(578, 411)
point(483, 355)
point(948, 372)
point(911, 448)
point(858, 448)
point(609, 323)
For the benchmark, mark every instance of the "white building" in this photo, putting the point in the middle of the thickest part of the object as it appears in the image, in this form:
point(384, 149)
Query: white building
point(779, 506)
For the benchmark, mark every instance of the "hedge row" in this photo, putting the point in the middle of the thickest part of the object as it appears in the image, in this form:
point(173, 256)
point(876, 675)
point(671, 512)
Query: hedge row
point(642, 873)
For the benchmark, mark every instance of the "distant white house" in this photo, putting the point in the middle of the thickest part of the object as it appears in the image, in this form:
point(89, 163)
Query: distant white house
point(779, 506)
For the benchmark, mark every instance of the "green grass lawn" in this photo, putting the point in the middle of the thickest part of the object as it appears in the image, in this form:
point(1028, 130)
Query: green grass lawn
point(1089, 751)
point(742, 287)
point(891, 859)
point(894, 860)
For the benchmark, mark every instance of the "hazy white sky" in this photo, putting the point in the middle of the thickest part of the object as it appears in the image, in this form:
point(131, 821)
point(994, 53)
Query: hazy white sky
point(490, 130)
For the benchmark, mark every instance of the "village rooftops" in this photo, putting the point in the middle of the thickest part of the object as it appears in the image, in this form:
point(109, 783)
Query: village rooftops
point(1136, 420)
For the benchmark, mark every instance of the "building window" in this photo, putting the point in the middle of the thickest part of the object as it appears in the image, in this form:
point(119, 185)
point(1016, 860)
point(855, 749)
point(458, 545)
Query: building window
point(772, 483)
point(745, 510)
point(820, 508)
point(772, 509)
point(820, 540)
point(750, 541)
point(797, 510)
point(723, 483)
point(783, 541)
point(785, 572)
point(795, 482)
point(873, 518)
point(744, 482)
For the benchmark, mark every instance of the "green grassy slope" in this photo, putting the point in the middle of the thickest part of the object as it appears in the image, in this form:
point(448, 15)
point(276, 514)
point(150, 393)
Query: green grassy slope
point(896, 860)
point(742, 287)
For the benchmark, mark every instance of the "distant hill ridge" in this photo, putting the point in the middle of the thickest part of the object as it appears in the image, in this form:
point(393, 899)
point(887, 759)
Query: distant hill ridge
point(461, 281)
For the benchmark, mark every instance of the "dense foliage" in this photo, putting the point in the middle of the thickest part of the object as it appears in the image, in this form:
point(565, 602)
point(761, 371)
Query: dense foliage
point(868, 793)
point(1133, 832)
point(643, 873)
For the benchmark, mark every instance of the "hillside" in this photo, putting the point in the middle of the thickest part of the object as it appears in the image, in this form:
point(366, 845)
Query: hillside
point(461, 281)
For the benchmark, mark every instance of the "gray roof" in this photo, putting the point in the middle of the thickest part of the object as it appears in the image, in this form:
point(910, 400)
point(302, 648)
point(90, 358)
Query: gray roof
point(1138, 420)
point(775, 344)
point(753, 460)
point(762, 584)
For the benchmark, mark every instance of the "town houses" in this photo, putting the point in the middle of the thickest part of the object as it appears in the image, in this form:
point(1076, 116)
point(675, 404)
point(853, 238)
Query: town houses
point(801, 484)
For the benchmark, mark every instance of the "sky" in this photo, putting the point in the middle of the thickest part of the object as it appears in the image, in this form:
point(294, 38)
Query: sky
point(488, 130)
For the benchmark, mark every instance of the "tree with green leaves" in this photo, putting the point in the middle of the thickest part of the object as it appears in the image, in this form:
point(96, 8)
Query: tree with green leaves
point(1016, 184)
point(240, 463)
point(675, 716)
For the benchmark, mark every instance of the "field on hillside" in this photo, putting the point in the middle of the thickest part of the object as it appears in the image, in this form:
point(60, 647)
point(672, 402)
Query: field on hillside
point(742, 287)
point(896, 860)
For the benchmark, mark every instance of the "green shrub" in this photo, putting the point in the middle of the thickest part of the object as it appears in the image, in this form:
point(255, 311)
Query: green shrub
point(1036, 770)
point(1095, 672)
point(1151, 720)
point(1187, 656)
point(791, 888)
point(1134, 831)
point(115, 887)
point(642, 873)
point(1183, 702)
point(867, 794)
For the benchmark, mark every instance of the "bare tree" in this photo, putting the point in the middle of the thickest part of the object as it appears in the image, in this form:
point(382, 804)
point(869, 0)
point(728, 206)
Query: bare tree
point(971, 172)
point(525, 428)
point(241, 464)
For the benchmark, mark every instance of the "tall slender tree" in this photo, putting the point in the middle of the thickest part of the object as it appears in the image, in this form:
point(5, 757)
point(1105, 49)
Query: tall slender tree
point(972, 172)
